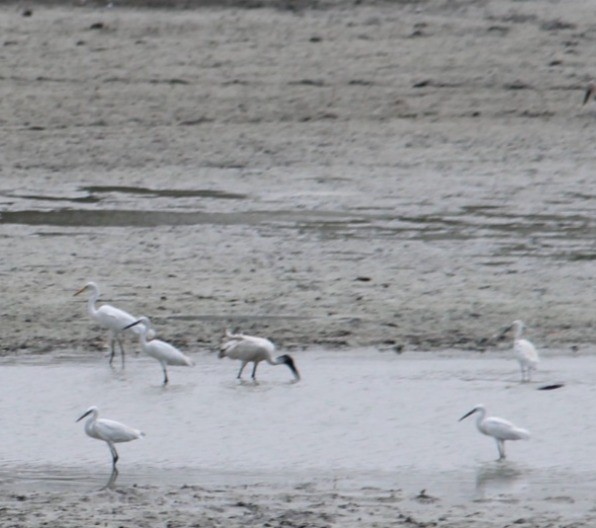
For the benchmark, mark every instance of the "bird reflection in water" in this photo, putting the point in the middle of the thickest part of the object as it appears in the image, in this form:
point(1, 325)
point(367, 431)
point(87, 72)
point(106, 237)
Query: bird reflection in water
point(498, 479)
point(112, 480)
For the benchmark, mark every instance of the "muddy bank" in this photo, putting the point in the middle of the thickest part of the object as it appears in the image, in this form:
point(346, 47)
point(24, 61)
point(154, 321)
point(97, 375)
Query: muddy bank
point(304, 505)
point(412, 174)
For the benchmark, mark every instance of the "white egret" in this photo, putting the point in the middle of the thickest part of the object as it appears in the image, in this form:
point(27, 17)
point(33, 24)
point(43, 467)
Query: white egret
point(165, 353)
point(251, 349)
point(524, 351)
point(109, 431)
point(498, 428)
point(109, 317)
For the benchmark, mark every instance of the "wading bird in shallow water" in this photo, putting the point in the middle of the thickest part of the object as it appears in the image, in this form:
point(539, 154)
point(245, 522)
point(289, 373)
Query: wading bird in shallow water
point(524, 351)
point(109, 431)
point(498, 428)
point(108, 317)
point(165, 353)
point(251, 349)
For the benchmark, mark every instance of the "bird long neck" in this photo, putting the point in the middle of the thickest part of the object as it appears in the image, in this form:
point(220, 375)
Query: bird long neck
point(518, 331)
point(480, 418)
point(91, 422)
point(143, 331)
point(274, 361)
point(91, 308)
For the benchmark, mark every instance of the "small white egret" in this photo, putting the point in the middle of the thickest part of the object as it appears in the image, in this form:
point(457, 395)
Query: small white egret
point(251, 349)
point(109, 317)
point(498, 428)
point(109, 431)
point(524, 351)
point(165, 353)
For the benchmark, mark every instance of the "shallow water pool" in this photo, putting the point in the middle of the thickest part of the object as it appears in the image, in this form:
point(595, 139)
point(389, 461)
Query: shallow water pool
point(361, 416)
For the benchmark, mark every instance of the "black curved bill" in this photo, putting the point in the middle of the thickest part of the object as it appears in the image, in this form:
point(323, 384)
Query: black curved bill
point(289, 361)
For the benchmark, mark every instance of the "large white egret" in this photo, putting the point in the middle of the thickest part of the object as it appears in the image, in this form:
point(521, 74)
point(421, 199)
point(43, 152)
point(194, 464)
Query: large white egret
point(498, 428)
point(109, 431)
point(165, 353)
point(524, 351)
point(108, 317)
point(252, 349)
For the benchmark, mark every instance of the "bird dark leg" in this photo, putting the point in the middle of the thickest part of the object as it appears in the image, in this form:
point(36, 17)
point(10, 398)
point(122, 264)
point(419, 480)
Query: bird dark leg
point(119, 339)
point(114, 454)
point(112, 479)
point(112, 348)
point(501, 448)
point(165, 375)
point(254, 371)
point(240, 371)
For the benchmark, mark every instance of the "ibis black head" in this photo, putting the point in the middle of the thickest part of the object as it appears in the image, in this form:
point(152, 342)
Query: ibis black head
point(289, 361)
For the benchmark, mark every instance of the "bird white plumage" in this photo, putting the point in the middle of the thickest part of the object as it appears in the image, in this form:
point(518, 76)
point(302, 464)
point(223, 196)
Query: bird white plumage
point(109, 431)
point(253, 349)
point(524, 351)
point(108, 317)
point(165, 353)
point(500, 429)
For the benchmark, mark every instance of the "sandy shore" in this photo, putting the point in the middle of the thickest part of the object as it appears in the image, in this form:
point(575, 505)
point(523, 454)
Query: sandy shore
point(303, 505)
point(312, 502)
point(413, 174)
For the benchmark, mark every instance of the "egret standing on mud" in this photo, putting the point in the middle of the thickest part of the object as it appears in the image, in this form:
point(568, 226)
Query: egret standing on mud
point(109, 317)
point(251, 349)
point(524, 351)
point(498, 428)
point(109, 431)
point(165, 353)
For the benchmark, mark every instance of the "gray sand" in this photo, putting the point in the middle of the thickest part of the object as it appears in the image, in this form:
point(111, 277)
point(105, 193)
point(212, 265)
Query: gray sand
point(415, 174)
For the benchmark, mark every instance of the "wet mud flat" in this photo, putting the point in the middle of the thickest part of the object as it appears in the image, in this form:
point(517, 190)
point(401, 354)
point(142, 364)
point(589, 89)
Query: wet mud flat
point(408, 175)
point(318, 505)
point(401, 176)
